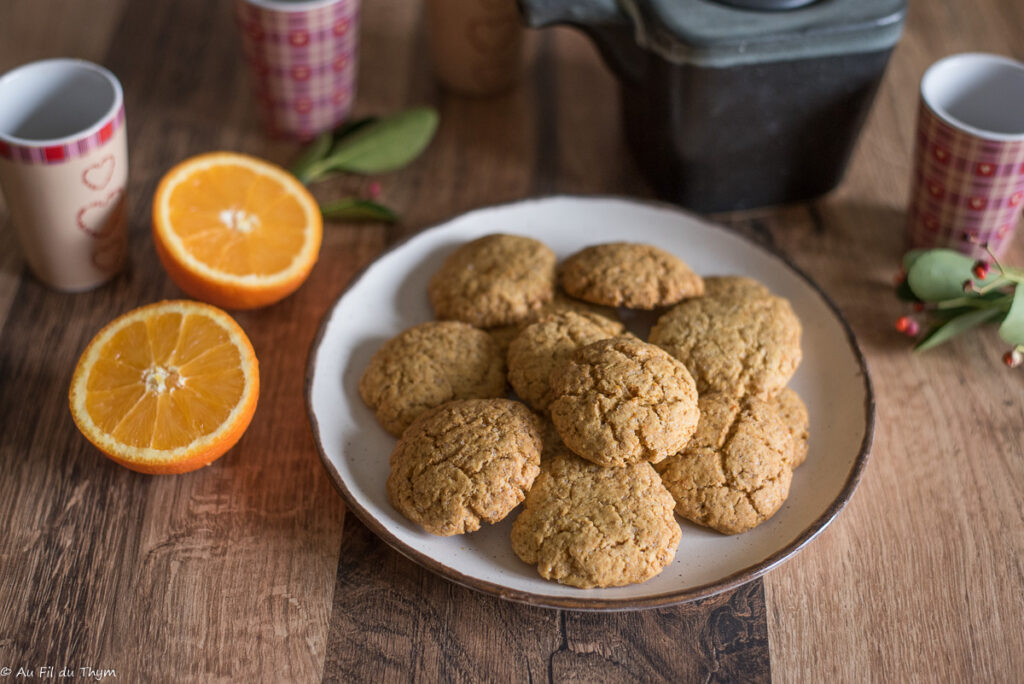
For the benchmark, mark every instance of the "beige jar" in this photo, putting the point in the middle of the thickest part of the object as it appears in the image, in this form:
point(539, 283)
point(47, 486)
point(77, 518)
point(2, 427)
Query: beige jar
point(476, 45)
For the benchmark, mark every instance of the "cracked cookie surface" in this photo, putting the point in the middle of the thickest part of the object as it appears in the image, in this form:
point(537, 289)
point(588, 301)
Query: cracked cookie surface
point(735, 340)
point(629, 274)
point(494, 280)
point(427, 365)
point(588, 526)
point(621, 401)
point(547, 344)
point(734, 286)
point(734, 474)
point(793, 413)
point(505, 334)
point(464, 463)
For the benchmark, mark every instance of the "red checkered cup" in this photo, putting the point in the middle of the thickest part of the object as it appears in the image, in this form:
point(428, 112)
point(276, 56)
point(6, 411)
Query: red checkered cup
point(63, 169)
point(303, 56)
point(968, 184)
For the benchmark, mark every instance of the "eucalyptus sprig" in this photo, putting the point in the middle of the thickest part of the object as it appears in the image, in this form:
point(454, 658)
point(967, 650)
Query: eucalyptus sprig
point(366, 146)
point(956, 293)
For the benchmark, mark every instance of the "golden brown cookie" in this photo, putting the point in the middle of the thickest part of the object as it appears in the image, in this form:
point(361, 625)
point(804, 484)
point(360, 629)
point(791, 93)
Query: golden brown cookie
point(547, 344)
point(588, 526)
point(793, 413)
point(734, 286)
point(622, 401)
point(504, 335)
point(628, 274)
point(734, 474)
point(427, 365)
point(494, 280)
point(734, 341)
point(464, 463)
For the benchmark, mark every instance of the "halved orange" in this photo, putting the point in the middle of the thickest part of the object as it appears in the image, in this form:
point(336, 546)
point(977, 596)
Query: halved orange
point(166, 388)
point(234, 230)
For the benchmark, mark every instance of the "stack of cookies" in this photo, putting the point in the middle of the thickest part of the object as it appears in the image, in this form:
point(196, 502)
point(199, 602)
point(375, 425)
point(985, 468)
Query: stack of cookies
point(608, 436)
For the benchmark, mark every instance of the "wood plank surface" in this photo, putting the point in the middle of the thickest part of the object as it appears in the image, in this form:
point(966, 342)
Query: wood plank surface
point(251, 570)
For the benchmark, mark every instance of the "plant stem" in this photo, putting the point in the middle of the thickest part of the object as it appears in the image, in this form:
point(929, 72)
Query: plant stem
point(975, 303)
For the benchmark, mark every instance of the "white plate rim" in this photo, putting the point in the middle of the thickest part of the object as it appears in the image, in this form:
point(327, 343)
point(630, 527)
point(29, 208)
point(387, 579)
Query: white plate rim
point(590, 603)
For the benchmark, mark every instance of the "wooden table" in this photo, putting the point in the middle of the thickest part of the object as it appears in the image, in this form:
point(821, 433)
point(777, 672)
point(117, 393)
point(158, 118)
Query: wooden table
point(251, 570)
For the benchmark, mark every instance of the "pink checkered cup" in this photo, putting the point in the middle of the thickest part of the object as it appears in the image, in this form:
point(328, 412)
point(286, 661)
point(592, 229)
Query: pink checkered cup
point(303, 57)
point(968, 183)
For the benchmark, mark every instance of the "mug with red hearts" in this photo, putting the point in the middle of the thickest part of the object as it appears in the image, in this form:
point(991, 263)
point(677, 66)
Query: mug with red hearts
point(63, 169)
point(968, 184)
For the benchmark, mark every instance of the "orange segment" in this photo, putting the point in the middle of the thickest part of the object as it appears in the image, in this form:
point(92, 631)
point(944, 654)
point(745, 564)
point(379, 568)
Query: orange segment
point(234, 230)
point(166, 388)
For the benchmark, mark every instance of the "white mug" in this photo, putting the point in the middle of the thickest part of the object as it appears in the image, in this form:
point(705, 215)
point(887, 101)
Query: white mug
point(64, 169)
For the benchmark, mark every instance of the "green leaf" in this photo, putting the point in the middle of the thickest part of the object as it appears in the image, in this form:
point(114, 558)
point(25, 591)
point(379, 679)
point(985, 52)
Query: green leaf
point(353, 209)
point(910, 257)
point(310, 164)
point(1012, 327)
point(950, 329)
point(351, 126)
point(311, 154)
point(940, 274)
point(386, 144)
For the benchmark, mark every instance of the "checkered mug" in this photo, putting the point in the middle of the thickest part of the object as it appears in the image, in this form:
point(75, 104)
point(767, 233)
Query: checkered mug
point(302, 56)
point(968, 182)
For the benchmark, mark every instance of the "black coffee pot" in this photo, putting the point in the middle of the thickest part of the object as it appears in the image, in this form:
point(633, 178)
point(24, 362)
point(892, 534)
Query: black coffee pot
point(732, 104)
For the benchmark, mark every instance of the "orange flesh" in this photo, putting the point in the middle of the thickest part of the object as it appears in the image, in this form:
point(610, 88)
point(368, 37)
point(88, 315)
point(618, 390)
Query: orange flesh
point(165, 381)
point(237, 221)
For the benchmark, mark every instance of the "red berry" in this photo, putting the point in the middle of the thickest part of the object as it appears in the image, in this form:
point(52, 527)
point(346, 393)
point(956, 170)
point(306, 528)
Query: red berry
point(919, 306)
point(913, 328)
point(903, 323)
point(981, 269)
point(1013, 358)
point(374, 190)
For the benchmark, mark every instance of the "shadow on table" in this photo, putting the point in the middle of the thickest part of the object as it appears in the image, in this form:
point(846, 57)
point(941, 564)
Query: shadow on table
point(395, 621)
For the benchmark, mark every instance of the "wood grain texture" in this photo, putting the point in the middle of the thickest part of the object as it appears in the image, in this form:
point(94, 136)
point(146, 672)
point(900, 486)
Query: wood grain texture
point(394, 621)
point(250, 570)
point(920, 578)
point(221, 574)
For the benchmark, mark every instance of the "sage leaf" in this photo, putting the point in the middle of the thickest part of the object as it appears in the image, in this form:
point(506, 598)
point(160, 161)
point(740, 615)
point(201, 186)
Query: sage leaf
point(1012, 327)
point(354, 209)
point(940, 274)
point(351, 126)
point(910, 257)
point(311, 165)
point(311, 154)
point(386, 144)
point(953, 327)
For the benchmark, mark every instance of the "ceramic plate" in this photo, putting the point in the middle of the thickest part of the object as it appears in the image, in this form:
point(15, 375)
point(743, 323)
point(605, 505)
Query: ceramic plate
point(390, 296)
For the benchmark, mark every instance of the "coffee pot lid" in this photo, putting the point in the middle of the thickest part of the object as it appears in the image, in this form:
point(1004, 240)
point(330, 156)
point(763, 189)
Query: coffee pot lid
point(723, 33)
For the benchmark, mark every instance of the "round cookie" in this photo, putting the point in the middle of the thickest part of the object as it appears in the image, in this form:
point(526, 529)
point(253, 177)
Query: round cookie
point(494, 280)
point(427, 365)
point(632, 275)
point(734, 474)
point(793, 414)
point(622, 401)
point(733, 341)
point(734, 286)
point(588, 526)
point(464, 463)
point(546, 345)
point(504, 335)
